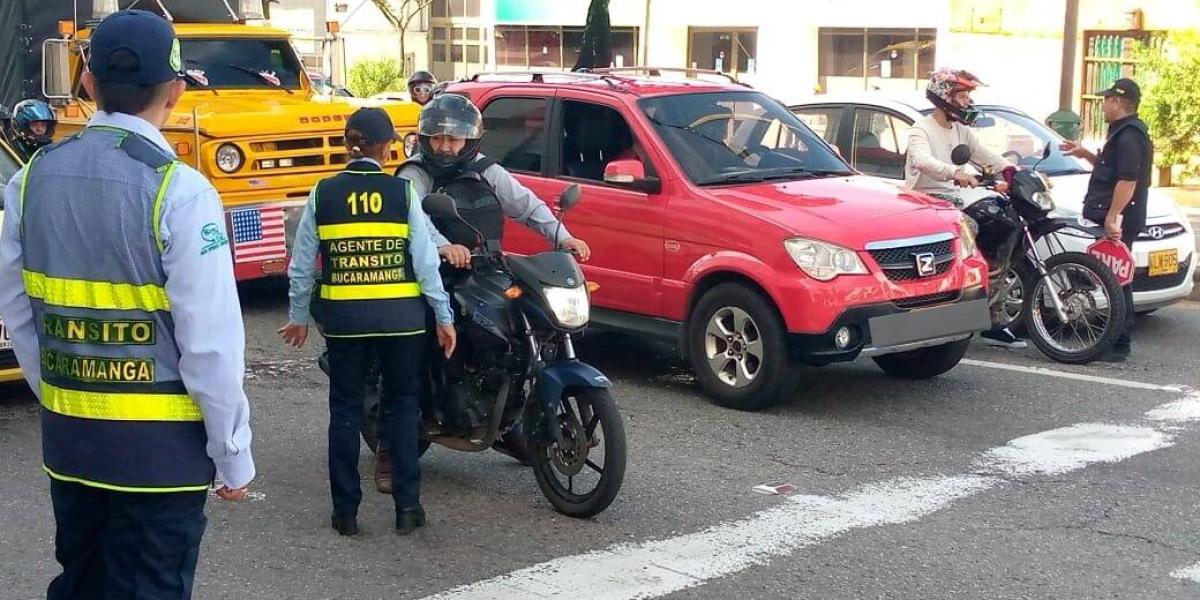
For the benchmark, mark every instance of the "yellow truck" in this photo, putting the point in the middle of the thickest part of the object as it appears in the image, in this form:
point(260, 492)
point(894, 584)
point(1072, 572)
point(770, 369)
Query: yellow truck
point(250, 120)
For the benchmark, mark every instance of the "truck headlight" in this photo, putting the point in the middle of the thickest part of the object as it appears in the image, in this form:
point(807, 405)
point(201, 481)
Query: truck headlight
point(571, 306)
point(966, 237)
point(824, 261)
point(229, 158)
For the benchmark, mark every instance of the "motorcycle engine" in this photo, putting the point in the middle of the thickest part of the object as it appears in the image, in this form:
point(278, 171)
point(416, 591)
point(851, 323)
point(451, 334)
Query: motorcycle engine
point(474, 377)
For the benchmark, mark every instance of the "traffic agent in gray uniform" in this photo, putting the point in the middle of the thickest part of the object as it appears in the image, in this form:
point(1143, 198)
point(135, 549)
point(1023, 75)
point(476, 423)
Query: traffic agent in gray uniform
point(450, 130)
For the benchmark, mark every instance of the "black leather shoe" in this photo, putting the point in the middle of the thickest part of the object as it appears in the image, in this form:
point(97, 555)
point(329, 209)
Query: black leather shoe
point(344, 525)
point(409, 519)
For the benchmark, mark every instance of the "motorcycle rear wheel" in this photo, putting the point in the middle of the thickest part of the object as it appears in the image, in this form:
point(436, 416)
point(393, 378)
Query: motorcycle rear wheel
point(590, 421)
point(1095, 323)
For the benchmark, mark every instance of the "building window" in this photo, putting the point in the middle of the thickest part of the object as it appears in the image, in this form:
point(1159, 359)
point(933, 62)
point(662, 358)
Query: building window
point(870, 55)
point(454, 9)
point(728, 51)
point(556, 47)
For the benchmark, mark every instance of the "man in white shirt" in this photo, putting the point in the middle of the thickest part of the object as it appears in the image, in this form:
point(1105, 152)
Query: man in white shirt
point(928, 167)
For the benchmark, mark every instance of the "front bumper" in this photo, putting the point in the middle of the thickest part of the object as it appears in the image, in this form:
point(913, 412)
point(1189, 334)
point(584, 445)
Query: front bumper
point(886, 328)
point(9, 370)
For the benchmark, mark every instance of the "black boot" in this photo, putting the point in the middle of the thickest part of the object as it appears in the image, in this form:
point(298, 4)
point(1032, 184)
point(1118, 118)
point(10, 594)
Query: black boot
point(409, 519)
point(344, 525)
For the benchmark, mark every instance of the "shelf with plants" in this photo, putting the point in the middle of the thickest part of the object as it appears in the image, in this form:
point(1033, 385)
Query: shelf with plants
point(1107, 57)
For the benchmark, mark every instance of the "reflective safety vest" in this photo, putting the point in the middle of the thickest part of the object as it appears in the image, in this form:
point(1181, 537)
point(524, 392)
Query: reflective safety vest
point(115, 412)
point(368, 287)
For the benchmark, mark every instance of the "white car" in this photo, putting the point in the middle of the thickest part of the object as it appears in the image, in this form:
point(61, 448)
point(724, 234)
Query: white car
point(871, 132)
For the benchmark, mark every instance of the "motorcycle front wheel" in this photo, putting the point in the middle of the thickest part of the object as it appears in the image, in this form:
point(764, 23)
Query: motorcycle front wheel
point(582, 477)
point(1092, 299)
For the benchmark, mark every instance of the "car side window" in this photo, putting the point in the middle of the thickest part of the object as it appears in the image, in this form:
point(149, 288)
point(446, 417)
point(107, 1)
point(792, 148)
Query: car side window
point(515, 132)
point(879, 143)
point(593, 136)
point(823, 121)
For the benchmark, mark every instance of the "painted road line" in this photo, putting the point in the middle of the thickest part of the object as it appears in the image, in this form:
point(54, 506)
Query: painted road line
point(1137, 385)
point(1180, 411)
point(1191, 573)
point(659, 567)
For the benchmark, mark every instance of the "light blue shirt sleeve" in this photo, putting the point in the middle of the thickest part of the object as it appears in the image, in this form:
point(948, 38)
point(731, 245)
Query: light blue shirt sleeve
point(302, 272)
point(208, 321)
point(14, 303)
point(426, 260)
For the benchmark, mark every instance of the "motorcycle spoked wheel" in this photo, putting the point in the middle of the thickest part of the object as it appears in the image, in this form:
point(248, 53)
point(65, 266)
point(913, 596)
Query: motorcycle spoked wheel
point(582, 477)
point(1093, 301)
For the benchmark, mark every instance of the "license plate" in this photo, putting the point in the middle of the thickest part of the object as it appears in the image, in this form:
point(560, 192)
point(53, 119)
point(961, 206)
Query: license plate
point(930, 323)
point(1164, 262)
point(5, 342)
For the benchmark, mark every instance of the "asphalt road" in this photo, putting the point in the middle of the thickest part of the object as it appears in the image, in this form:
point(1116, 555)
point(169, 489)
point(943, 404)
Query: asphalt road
point(997, 480)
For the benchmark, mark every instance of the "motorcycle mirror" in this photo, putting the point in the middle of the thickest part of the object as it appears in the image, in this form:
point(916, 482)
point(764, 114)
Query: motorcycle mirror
point(1046, 151)
point(961, 155)
point(569, 198)
point(439, 205)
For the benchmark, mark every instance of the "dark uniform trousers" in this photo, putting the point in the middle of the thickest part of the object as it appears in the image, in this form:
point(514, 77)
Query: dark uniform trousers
point(125, 545)
point(399, 358)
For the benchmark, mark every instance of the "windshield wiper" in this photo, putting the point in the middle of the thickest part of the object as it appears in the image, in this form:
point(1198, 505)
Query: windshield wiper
point(701, 135)
point(271, 81)
point(756, 176)
point(195, 80)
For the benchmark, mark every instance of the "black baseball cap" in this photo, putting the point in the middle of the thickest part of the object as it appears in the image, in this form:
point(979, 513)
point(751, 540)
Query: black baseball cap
point(1123, 88)
point(374, 123)
point(148, 37)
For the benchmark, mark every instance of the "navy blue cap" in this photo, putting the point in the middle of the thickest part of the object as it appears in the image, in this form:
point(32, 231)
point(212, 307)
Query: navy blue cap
point(148, 37)
point(1123, 88)
point(374, 123)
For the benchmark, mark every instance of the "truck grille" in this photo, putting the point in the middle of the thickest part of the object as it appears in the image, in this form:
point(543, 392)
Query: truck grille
point(899, 264)
point(1143, 282)
point(321, 152)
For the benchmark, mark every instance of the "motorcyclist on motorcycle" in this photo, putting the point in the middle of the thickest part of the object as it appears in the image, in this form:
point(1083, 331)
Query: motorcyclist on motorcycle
point(450, 129)
point(929, 169)
point(33, 125)
point(420, 87)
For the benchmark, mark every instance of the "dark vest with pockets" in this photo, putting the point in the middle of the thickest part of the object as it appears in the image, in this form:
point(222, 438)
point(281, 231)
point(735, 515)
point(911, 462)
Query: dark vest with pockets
point(368, 287)
point(476, 201)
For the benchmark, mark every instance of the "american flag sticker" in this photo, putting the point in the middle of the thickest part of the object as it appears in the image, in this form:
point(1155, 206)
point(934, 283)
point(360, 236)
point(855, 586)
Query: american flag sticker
point(258, 234)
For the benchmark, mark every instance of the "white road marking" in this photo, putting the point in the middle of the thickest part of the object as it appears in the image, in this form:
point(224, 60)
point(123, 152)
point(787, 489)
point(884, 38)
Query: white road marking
point(1072, 448)
point(1179, 411)
point(1137, 385)
point(1191, 573)
point(659, 567)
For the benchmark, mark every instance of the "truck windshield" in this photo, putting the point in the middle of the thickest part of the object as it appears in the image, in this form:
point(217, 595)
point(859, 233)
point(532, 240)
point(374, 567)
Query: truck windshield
point(240, 64)
point(739, 137)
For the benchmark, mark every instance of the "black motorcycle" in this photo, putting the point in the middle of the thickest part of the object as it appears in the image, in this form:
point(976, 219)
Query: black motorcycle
point(1072, 306)
point(515, 367)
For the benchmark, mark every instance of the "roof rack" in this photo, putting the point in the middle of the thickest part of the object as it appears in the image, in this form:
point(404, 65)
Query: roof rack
point(664, 71)
point(543, 76)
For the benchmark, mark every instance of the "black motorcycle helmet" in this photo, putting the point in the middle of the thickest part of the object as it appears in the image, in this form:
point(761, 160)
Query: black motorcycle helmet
point(421, 87)
point(25, 114)
point(455, 116)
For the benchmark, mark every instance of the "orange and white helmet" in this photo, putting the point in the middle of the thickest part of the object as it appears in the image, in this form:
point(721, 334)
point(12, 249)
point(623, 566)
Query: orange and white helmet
point(944, 84)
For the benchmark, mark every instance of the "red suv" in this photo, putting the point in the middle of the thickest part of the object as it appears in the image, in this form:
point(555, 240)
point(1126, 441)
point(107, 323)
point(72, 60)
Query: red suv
point(718, 221)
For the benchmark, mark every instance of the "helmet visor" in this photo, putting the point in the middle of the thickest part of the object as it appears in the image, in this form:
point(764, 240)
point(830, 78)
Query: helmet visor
point(440, 123)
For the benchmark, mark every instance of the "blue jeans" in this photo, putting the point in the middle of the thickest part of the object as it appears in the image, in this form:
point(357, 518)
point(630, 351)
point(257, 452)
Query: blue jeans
point(133, 546)
point(399, 357)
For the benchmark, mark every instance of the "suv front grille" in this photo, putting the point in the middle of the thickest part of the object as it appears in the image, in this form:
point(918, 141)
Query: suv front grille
point(899, 264)
point(926, 300)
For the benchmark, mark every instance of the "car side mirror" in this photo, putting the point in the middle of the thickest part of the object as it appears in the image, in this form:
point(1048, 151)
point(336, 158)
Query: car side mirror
point(961, 155)
point(440, 205)
point(570, 197)
point(631, 173)
point(411, 145)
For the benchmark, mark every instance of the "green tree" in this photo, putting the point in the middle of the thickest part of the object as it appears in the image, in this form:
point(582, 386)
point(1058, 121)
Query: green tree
point(400, 14)
point(371, 76)
point(1169, 75)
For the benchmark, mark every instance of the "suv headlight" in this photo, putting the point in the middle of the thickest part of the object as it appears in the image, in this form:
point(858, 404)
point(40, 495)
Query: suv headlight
point(824, 261)
point(966, 237)
point(229, 158)
point(570, 306)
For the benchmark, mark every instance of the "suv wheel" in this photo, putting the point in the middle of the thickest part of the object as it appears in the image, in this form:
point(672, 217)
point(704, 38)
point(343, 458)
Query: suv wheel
point(738, 348)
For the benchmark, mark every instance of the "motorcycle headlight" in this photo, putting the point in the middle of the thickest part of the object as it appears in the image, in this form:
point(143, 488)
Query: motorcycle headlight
point(1043, 200)
point(966, 237)
point(229, 158)
point(571, 306)
point(824, 261)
